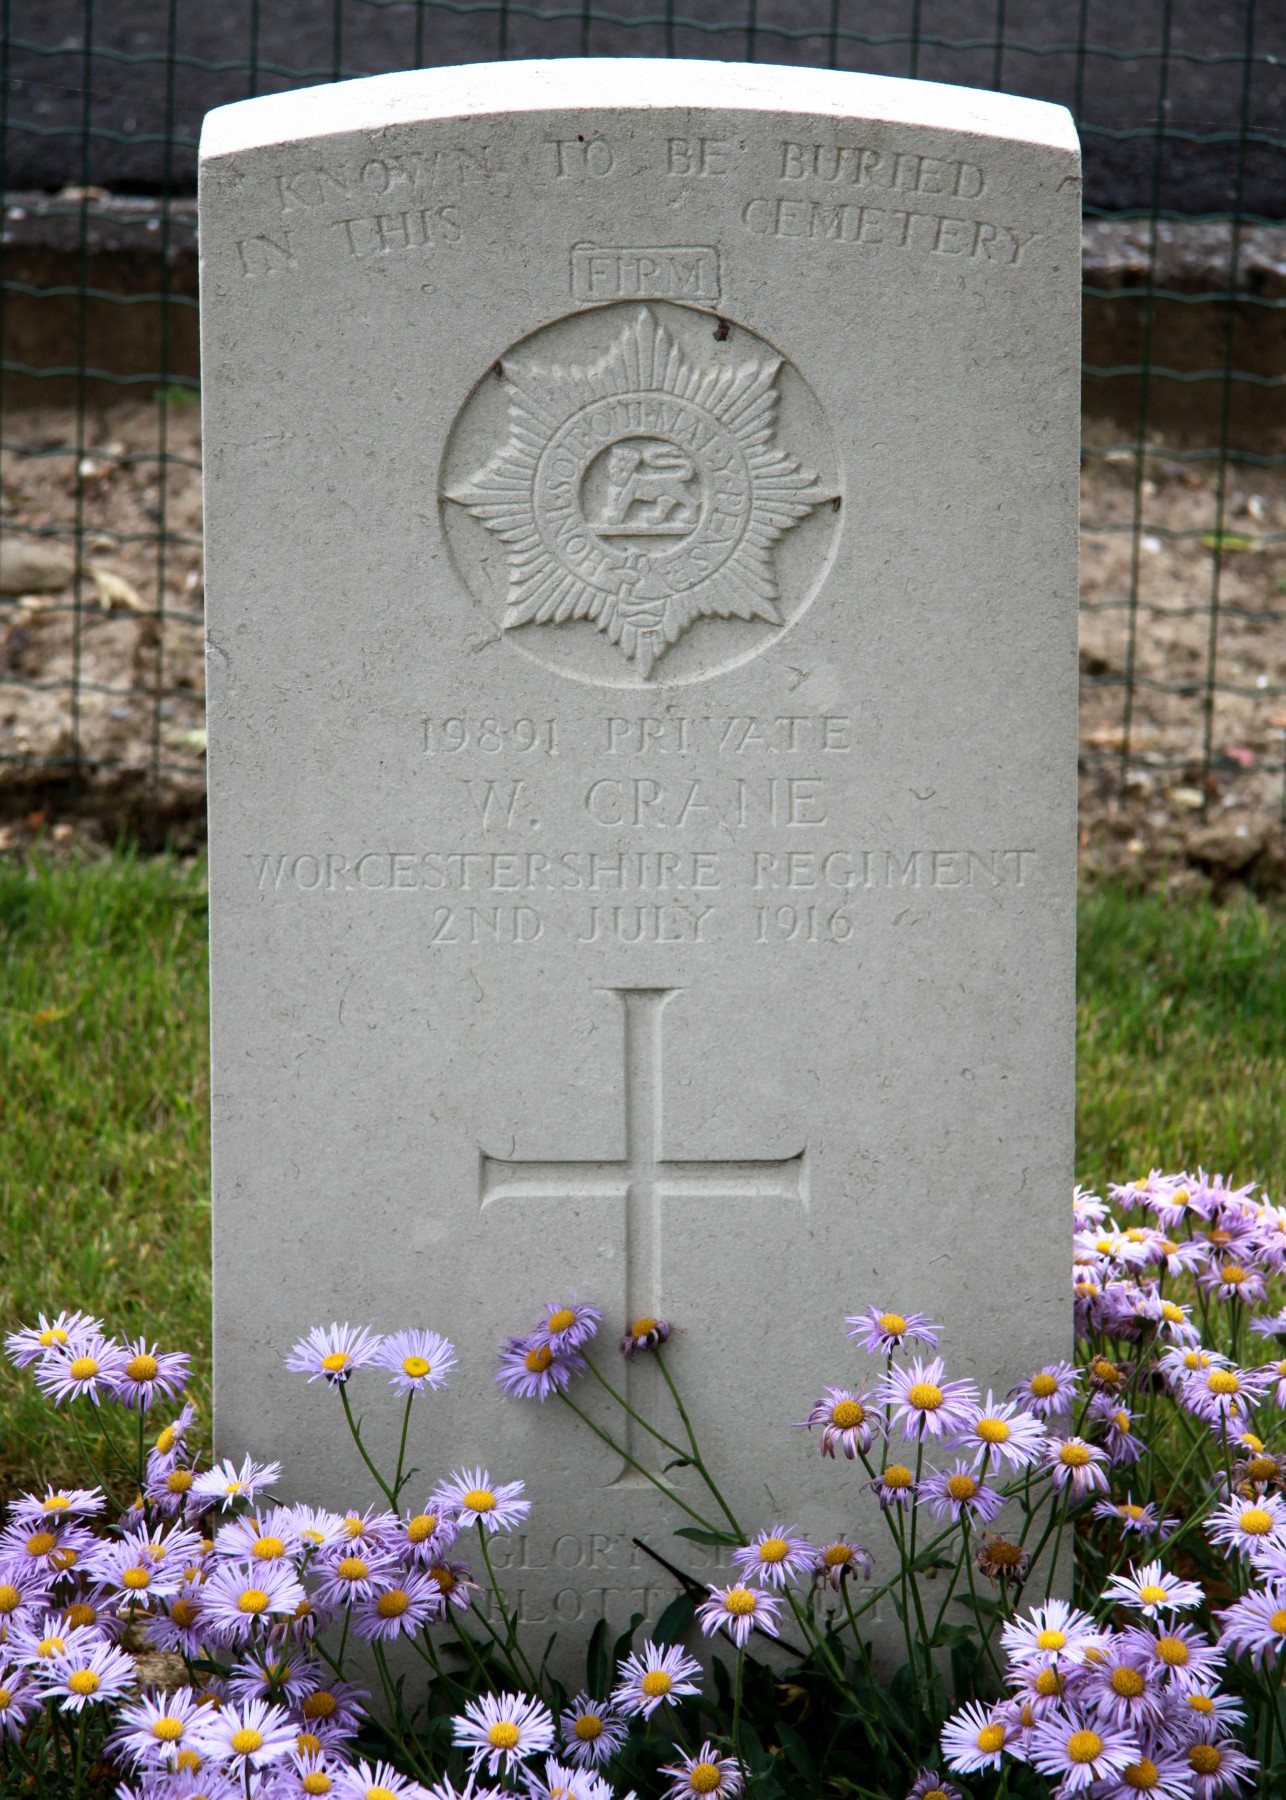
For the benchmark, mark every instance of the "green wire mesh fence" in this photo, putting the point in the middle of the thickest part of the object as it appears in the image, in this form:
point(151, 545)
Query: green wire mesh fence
point(1182, 111)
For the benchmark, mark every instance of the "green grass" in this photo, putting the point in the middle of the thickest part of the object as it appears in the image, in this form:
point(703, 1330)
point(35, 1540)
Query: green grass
point(104, 1094)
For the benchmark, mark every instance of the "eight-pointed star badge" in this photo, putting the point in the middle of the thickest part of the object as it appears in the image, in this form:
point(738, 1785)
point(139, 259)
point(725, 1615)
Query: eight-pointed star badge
point(641, 490)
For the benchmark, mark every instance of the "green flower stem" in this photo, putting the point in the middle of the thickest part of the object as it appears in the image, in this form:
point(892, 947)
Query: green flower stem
point(401, 1449)
point(697, 1458)
point(84, 1450)
point(661, 1486)
point(817, 1639)
point(356, 1433)
point(634, 1414)
point(471, 1648)
point(422, 1644)
point(984, 1626)
point(736, 1709)
point(511, 1625)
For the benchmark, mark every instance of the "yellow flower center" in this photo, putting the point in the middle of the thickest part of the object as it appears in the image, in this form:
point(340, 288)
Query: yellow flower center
point(55, 1335)
point(316, 1782)
point(10, 1598)
point(337, 1360)
point(83, 1682)
point(560, 1320)
point(6, 1699)
point(1048, 1683)
point(588, 1726)
point(837, 1556)
point(991, 1738)
point(655, 1683)
point(443, 1576)
point(847, 1413)
point(137, 1577)
point(378, 1792)
point(1172, 1314)
point(167, 1440)
point(503, 1735)
point(1128, 1683)
point(351, 1568)
point(168, 1730)
point(40, 1543)
point(739, 1601)
point(1084, 1746)
point(352, 1526)
point(79, 1614)
point(50, 1646)
point(1251, 1442)
point(893, 1324)
point(1278, 1620)
point(1074, 1456)
point(1201, 1703)
point(1233, 1274)
point(1261, 1468)
point(1142, 1775)
point(1223, 1381)
point(1256, 1521)
point(774, 1550)
point(1122, 1422)
point(644, 1326)
point(308, 1744)
point(1104, 1370)
point(267, 1549)
point(1219, 1237)
point(1051, 1639)
point(393, 1604)
point(55, 1503)
point(479, 1500)
point(142, 1368)
point(417, 1367)
point(538, 1359)
point(897, 1475)
point(246, 1740)
point(252, 1600)
point(961, 1487)
point(421, 1527)
point(1130, 1509)
point(320, 1705)
point(1151, 1595)
point(992, 1431)
point(83, 1368)
point(64, 1559)
point(703, 1778)
point(178, 1481)
point(1173, 1651)
point(1205, 1759)
point(1043, 1385)
point(925, 1396)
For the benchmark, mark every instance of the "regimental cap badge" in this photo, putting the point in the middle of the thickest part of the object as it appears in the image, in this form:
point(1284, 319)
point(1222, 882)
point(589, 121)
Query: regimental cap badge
point(641, 490)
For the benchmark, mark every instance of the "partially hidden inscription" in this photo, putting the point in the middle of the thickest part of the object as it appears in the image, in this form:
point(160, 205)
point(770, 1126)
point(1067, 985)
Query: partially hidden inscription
point(670, 272)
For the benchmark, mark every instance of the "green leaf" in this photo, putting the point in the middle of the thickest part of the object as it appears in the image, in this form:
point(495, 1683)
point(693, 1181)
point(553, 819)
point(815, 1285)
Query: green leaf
point(696, 1535)
point(596, 1660)
point(675, 1620)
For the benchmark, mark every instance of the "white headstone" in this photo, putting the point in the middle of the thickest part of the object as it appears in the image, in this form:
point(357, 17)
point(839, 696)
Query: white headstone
point(641, 527)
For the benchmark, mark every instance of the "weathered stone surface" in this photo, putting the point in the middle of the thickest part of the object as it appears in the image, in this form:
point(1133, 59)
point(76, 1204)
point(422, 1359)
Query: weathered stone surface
point(641, 521)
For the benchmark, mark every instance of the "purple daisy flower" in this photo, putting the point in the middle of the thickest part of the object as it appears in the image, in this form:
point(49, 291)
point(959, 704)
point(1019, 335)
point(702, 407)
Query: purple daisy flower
point(1074, 1464)
point(171, 1440)
point(1152, 1591)
point(503, 1730)
point(154, 1729)
point(89, 1674)
point(227, 1484)
point(847, 1420)
point(1244, 1525)
point(1123, 1686)
point(1219, 1767)
point(252, 1735)
point(1055, 1635)
point(562, 1783)
point(308, 1772)
point(376, 1781)
point(925, 1403)
point(181, 1627)
point(1222, 1396)
point(737, 1611)
point(775, 1557)
point(25, 1590)
point(1130, 1516)
point(31, 1342)
point(148, 1372)
point(133, 1572)
point(929, 1785)
point(1050, 1392)
point(350, 1572)
point(693, 1777)
point(591, 1731)
point(238, 1598)
point(1120, 1441)
point(267, 1536)
point(429, 1534)
point(839, 1558)
point(89, 1366)
point(1080, 1750)
point(476, 1500)
point(644, 1333)
point(398, 1606)
point(975, 1738)
point(655, 1677)
point(453, 1583)
point(531, 1369)
point(331, 1353)
point(56, 1548)
point(882, 1333)
point(29, 1510)
point(960, 1492)
point(317, 1528)
point(1163, 1776)
point(416, 1360)
point(373, 1530)
point(895, 1486)
point(568, 1326)
point(274, 1671)
point(19, 1699)
point(1001, 1430)
point(1255, 1625)
point(1183, 1656)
